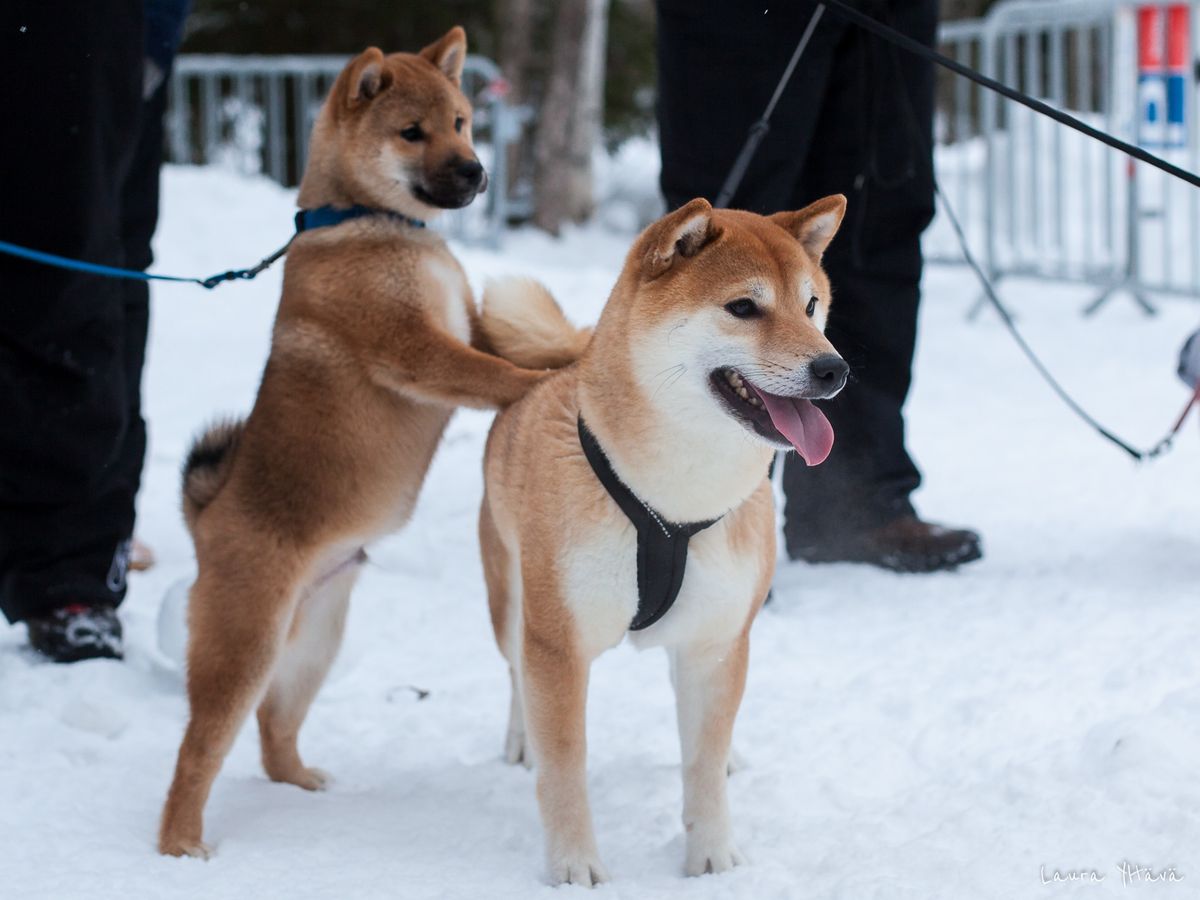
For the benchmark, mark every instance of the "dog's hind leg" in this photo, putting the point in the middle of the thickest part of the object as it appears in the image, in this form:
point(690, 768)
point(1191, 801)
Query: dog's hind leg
point(312, 644)
point(708, 680)
point(503, 602)
point(236, 629)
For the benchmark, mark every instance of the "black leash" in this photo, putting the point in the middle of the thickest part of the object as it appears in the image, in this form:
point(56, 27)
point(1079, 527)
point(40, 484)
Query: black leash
point(989, 291)
point(928, 53)
point(760, 128)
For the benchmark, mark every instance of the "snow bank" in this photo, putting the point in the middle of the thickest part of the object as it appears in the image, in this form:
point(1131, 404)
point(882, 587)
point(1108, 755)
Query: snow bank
point(906, 736)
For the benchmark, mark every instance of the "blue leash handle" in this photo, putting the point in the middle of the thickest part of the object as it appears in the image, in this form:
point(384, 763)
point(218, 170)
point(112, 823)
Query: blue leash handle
point(63, 262)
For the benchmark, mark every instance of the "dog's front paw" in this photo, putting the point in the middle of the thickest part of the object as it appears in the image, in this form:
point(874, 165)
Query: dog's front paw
point(581, 868)
point(313, 779)
point(310, 779)
point(176, 847)
point(712, 855)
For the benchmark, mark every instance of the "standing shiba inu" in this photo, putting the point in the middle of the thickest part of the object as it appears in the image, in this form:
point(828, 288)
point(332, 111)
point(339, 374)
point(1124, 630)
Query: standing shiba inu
point(704, 362)
point(372, 349)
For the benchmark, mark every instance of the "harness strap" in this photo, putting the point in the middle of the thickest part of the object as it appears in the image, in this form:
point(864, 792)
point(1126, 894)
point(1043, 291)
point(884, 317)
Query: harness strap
point(662, 545)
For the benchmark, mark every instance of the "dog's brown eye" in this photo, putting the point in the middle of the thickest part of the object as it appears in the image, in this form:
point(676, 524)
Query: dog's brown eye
point(812, 306)
point(458, 123)
point(412, 133)
point(743, 308)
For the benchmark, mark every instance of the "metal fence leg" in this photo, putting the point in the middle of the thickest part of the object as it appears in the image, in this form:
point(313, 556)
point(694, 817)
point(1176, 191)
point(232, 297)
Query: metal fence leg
point(1129, 283)
point(982, 302)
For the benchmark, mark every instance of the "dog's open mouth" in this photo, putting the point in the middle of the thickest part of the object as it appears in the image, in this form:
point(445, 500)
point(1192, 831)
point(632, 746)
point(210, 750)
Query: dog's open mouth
point(787, 421)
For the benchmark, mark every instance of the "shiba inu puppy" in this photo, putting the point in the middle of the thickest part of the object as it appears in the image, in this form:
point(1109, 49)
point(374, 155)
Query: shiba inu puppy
point(375, 342)
point(705, 361)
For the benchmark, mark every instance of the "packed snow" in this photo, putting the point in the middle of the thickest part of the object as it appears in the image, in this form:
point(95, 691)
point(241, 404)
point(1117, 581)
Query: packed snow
point(961, 735)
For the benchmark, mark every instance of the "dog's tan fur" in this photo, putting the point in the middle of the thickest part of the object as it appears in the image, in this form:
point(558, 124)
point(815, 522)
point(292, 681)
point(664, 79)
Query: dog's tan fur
point(372, 349)
point(560, 556)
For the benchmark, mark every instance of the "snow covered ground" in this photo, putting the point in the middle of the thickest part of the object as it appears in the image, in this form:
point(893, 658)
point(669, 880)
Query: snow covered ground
point(920, 737)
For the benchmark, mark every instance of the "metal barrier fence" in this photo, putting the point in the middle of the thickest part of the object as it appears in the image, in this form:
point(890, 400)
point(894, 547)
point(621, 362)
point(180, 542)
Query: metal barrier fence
point(1039, 199)
point(254, 114)
point(1036, 198)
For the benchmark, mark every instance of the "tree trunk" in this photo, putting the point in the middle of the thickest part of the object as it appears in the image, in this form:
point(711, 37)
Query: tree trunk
point(589, 111)
point(516, 35)
point(570, 116)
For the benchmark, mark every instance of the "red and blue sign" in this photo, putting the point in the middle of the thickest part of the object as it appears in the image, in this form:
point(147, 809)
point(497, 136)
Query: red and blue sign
point(1164, 67)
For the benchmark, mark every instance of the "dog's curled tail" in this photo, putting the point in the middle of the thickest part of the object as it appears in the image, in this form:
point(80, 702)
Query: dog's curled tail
point(207, 466)
point(524, 325)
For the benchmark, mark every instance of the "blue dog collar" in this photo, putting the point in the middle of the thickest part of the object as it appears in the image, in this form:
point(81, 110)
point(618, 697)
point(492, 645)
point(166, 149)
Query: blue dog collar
point(326, 216)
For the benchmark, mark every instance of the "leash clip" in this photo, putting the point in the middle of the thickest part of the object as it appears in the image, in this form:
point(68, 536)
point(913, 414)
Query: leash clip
point(213, 280)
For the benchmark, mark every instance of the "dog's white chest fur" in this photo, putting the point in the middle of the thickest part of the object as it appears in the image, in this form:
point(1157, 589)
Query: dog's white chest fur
point(601, 588)
point(449, 277)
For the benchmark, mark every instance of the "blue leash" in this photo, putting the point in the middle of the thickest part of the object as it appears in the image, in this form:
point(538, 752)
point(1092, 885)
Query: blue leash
point(306, 220)
point(63, 262)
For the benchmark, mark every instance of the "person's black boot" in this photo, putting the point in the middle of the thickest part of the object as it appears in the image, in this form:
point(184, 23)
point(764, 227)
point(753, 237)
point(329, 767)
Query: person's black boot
point(77, 632)
point(905, 544)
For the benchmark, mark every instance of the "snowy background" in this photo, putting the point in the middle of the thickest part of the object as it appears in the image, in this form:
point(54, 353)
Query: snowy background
point(923, 737)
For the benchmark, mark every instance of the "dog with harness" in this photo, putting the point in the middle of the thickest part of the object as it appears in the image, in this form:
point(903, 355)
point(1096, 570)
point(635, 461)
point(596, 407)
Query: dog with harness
point(628, 493)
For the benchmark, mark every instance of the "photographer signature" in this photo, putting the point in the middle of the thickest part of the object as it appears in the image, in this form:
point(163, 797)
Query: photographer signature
point(1130, 873)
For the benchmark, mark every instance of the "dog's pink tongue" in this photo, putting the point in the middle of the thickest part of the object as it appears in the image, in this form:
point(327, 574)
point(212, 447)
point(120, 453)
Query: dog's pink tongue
point(802, 424)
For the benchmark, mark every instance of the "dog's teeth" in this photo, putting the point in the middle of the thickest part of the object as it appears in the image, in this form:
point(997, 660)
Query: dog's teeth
point(740, 387)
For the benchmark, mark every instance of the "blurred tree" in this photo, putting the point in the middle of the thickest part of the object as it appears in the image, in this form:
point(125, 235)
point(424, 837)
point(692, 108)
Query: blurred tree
point(317, 26)
point(630, 71)
point(570, 115)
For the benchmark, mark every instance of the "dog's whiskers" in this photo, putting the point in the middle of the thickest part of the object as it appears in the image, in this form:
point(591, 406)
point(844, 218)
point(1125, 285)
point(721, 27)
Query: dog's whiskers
point(670, 375)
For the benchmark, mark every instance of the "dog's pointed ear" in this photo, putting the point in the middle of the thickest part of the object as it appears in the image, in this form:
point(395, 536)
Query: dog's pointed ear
point(680, 235)
point(815, 225)
point(366, 77)
point(449, 53)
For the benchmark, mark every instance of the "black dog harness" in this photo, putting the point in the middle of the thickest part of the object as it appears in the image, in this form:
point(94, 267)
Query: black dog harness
point(661, 545)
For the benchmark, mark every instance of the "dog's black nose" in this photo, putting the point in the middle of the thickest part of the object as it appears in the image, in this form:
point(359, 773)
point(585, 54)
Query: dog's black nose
point(829, 371)
point(468, 173)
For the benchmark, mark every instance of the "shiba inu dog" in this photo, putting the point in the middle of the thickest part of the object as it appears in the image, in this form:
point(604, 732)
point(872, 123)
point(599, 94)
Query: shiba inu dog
point(376, 340)
point(704, 363)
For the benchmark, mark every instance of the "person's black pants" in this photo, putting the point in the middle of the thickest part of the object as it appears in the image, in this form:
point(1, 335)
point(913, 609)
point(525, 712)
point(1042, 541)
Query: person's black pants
point(855, 119)
point(80, 153)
